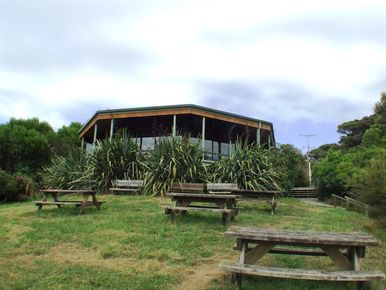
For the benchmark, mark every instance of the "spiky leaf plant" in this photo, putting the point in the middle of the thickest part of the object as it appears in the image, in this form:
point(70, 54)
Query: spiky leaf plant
point(71, 172)
point(251, 167)
point(173, 160)
point(119, 158)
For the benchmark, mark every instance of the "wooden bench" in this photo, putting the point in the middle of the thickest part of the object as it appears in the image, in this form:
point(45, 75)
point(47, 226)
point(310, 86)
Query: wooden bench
point(187, 187)
point(185, 194)
point(221, 187)
point(120, 185)
point(344, 249)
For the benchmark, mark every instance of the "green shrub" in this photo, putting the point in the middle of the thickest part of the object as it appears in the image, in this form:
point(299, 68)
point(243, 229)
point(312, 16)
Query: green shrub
point(251, 167)
point(326, 175)
point(8, 187)
point(119, 158)
point(295, 164)
point(370, 185)
point(173, 160)
point(26, 186)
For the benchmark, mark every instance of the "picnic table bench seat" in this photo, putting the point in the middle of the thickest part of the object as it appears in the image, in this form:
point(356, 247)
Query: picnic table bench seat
point(67, 202)
point(120, 185)
point(304, 274)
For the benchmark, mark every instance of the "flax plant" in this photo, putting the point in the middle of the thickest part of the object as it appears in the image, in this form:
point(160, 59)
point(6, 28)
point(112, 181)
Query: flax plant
point(119, 158)
point(251, 167)
point(173, 159)
point(72, 172)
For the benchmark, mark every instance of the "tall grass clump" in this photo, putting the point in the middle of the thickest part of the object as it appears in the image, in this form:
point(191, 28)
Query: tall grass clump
point(119, 158)
point(71, 172)
point(251, 167)
point(173, 159)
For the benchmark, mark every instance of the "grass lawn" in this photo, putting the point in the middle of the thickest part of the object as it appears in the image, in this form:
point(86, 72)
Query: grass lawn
point(131, 244)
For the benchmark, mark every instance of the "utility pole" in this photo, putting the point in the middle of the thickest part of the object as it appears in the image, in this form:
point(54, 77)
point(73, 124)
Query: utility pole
point(308, 157)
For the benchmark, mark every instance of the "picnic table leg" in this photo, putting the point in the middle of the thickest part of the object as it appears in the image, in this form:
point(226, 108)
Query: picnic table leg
point(55, 197)
point(224, 216)
point(84, 203)
point(355, 260)
point(95, 201)
point(244, 247)
point(44, 199)
point(273, 204)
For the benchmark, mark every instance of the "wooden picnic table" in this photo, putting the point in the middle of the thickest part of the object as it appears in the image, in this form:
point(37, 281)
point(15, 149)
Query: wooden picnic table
point(183, 202)
point(344, 249)
point(270, 196)
point(53, 193)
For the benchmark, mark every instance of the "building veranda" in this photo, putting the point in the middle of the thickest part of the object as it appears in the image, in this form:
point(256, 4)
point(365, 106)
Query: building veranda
point(217, 131)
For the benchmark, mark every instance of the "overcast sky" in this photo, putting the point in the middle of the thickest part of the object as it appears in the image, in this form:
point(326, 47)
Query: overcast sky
point(306, 66)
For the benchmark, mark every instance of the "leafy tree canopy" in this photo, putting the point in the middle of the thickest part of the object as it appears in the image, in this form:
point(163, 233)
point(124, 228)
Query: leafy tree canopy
point(321, 152)
point(24, 145)
point(66, 139)
point(353, 131)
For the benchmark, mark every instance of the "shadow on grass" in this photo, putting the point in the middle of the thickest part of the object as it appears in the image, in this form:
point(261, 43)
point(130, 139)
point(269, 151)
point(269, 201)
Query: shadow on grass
point(199, 218)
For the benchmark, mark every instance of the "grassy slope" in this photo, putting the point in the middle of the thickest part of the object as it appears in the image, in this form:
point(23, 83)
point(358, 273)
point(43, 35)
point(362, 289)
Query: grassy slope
point(131, 244)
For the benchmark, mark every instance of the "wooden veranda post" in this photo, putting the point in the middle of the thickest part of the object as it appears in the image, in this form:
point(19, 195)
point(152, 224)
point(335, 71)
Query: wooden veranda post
point(269, 141)
point(95, 133)
point(203, 133)
point(111, 129)
point(174, 129)
point(258, 135)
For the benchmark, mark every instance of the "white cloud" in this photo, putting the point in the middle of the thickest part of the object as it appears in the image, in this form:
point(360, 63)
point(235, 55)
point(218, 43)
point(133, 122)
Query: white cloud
point(303, 59)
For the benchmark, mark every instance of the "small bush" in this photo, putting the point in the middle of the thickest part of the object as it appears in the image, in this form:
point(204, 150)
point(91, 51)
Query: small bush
point(8, 187)
point(26, 187)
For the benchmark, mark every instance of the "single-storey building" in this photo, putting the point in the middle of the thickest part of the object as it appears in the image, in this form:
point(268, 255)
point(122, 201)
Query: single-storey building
point(217, 131)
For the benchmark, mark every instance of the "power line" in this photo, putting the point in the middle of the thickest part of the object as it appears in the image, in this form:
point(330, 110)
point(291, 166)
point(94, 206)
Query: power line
point(308, 144)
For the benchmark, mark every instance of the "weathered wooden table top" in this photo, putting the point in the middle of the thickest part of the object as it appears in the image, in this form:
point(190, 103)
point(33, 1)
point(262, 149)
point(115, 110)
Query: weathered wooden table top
point(203, 195)
point(246, 191)
point(80, 191)
point(302, 237)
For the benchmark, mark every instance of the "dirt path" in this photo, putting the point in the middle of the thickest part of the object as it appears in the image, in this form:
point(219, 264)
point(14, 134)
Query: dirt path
point(201, 276)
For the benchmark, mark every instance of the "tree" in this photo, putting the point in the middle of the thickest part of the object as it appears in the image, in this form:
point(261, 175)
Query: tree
point(24, 145)
point(321, 151)
point(66, 140)
point(295, 164)
point(380, 109)
point(352, 131)
point(327, 175)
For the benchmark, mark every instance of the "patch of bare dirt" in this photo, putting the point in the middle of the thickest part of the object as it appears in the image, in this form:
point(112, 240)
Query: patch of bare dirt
point(202, 275)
